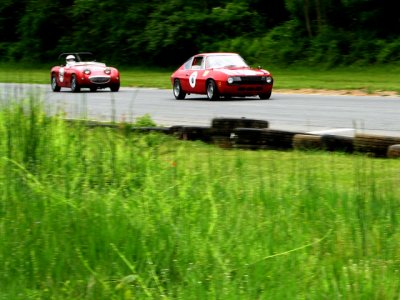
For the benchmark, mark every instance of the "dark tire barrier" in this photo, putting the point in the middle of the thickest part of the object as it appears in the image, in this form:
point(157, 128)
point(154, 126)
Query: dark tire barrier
point(247, 138)
point(337, 143)
point(307, 142)
point(254, 134)
point(393, 151)
point(192, 133)
point(126, 127)
point(222, 141)
point(374, 145)
point(164, 130)
point(251, 138)
point(278, 139)
point(225, 126)
point(93, 124)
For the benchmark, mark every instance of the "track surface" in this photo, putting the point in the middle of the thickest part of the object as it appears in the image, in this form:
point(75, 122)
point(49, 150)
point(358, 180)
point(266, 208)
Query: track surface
point(340, 115)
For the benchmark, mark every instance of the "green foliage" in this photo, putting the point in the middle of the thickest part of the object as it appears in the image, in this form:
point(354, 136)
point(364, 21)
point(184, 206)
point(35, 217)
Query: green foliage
point(166, 33)
point(144, 121)
point(283, 45)
point(389, 51)
point(39, 30)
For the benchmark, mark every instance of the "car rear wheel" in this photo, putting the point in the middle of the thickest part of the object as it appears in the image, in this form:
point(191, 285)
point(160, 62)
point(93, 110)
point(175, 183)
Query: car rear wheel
point(265, 96)
point(177, 89)
point(212, 90)
point(74, 84)
point(54, 86)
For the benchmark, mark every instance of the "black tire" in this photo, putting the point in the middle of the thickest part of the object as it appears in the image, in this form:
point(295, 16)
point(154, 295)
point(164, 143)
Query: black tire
point(115, 87)
point(225, 126)
point(307, 142)
point(264, 138)
point(212, 90)
point(177, 90)
point(337, 143)
point(393, 151)
point(54, 86)
point(196, 133)
point(265, 96)
point(222, 141)
point(374, 145)
point(74, 84)
point(247, 136)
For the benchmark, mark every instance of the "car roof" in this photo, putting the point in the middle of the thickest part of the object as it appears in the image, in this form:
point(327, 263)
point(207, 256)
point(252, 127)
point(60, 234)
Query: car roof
point(216, 53)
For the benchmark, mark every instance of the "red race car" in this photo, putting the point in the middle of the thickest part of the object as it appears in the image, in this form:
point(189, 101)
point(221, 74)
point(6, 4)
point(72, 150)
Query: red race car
point(82, 71)
point(220, 74)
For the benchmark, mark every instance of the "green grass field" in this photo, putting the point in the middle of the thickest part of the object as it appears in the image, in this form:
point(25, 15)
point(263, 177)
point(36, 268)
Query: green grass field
point(102, 214)
point(368, 79)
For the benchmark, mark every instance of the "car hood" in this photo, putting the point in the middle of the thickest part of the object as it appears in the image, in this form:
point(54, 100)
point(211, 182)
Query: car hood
point(90, 65)
point(243, 72)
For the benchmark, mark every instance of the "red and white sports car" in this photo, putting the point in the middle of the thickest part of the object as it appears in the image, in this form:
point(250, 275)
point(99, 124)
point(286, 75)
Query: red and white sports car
point(82, 71)
point(220, 74)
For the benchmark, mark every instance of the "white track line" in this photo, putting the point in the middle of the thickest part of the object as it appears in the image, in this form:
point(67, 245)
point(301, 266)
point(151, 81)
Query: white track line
point(330, 131)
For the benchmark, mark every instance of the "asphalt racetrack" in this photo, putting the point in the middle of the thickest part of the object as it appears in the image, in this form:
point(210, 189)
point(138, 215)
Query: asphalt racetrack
point(339, 115)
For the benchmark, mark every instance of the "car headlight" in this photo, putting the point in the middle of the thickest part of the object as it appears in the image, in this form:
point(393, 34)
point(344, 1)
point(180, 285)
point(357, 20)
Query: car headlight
point(87, 71)
point(267, 79)
point(107, 71)
point(234, 79)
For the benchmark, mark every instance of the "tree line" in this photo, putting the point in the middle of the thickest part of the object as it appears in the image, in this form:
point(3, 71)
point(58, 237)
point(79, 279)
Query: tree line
point(166, 32)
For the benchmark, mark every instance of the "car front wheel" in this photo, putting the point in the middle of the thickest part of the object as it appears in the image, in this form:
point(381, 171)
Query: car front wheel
point(74, 84)
point(177, 89)
point(265, 96)
point(212, 90)
point(54, 86)
point(115, 87)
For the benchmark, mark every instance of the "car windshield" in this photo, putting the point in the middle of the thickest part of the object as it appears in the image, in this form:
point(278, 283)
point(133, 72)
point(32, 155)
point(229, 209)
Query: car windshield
point(223, 61)
point(83, 57)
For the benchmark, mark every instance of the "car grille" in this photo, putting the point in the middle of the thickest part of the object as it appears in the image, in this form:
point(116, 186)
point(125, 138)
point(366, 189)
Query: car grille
point(251, 80)
point(100, 79)
point(249, 89)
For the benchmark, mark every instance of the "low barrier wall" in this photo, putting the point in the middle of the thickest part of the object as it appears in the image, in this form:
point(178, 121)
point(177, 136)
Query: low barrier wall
point(243, 133)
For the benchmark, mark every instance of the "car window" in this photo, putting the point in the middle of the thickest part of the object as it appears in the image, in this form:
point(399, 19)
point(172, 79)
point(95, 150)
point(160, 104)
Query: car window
point(188, 64)
point(220, 61)
point(197, 63)
point(81, 57)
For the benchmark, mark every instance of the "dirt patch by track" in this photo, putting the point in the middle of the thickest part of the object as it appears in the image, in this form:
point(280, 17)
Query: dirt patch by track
point(338, 92)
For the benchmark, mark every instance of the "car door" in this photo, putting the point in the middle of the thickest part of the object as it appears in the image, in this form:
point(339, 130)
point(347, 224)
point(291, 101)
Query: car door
point(191, 83)
point(62, 76)
point(68, 71)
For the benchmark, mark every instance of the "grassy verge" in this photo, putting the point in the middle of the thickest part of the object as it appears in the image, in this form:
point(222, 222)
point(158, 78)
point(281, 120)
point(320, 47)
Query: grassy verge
point(368, 79)
point(150, 217)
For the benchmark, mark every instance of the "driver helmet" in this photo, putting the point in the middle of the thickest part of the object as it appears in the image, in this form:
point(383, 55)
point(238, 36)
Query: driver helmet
point(70, 58)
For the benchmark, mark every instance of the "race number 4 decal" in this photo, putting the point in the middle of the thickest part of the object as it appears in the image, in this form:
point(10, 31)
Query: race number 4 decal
point(192, 79)
point(61, 74)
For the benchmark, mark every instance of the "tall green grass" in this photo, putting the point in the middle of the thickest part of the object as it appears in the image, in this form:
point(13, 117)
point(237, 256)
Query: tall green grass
point(105, 214)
